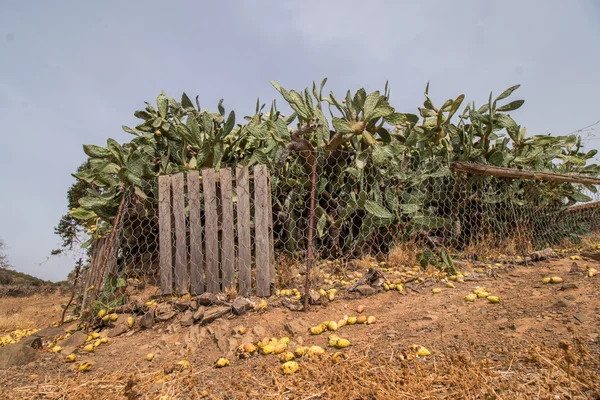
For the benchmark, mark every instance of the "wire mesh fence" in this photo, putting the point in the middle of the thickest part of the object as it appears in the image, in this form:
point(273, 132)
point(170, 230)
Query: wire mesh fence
point(252, 231)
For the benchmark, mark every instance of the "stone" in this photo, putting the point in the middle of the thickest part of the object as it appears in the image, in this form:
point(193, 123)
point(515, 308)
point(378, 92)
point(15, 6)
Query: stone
point(199, 313)
point(580, 317)
point(194, 305)
point(167, 316)
point(16, 354)
point(568, 286)
point(120, 327)
point(35, 340)
point(214, 313)
point(182, 305)
point(206, 299)
point(259, 331)
point(366, 290)
point(187, 318)
point(146, 321)
point(73, 341)
point(294, 327)
point(241, 305)
point(563, 303)
point(575, 270)
point(542, 254)
point(313, 297)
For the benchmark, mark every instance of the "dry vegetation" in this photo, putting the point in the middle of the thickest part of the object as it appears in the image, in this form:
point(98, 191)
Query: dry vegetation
point(35, 311)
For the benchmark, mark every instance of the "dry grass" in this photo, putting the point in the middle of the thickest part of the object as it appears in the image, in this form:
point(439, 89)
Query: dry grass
point(563, 371)
point(35, 311)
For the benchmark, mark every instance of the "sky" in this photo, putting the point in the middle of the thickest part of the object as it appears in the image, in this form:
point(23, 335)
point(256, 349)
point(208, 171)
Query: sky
point(73, 72)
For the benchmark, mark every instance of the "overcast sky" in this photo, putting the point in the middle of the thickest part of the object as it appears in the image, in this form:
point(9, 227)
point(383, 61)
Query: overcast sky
point(73, 72)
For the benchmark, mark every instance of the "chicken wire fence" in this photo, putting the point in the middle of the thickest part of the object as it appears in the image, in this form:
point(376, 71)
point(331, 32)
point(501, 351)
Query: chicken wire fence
point(238, 230)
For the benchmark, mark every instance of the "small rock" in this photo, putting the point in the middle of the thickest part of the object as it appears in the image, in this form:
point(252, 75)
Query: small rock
point(575, 270)
point(187, 318)
point(213, 313)
point(313, 297)
point(366, 290)
point(206, 299)
point(199, 313)
point(580, 317)
point(563, 303)
point(568, 286)
point(167, 316)
point(121, 326)
point(294, 327)
point(146, 321)
point(35, 340)
point(241, 305)
point(194, 305)
point(75, 340)
point(16, 354)
point(182, 305)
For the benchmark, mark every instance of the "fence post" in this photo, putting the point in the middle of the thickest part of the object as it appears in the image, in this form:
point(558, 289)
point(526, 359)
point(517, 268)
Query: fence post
point(311, 221)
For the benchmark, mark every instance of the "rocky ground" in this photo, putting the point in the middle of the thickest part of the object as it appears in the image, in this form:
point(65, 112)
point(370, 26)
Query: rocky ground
point(541, 340)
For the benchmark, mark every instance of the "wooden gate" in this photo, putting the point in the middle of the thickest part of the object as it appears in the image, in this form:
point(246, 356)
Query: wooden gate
point(206, 226)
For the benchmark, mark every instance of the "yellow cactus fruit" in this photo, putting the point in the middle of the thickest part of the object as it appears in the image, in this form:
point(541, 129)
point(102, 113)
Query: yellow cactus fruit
point(249, 348)
point(493, 299)
point(341, 322)
point(332, 339)
point(86, 366)
point(360, 308)
point(342, 343)
point(184, 364)
point(268, 349)
point(421, 351)
point(371, 320)
point(106, 318)
point(289, 367)
point(284, 340)
point(322, 293)
point(299, 352)
point(556, 279)
point(482, 294)
point(95, 335)
point(242, 330)
point(337, 357)
point(149, 356)
point(351, 320)
point(316, 330)
point(101, 313)
point(592, 272)
point(331, 296)
point(471, 297)
point(130, 321)
point(150, 303)
point(114, 317)
point(56, 349)
point(221, 362)
point(386, 287)
point(314, 351)
point(89, 348)
point(332, 326)
point(280, 348)
point(287, 356)
point(97, 343)
point(450, 285)
point(89, 338)
point(104, 340)
point(361, 319)
point(436, 291)
point(452, 277)
point(70, 358)
point(546, 280)
point(399, 287)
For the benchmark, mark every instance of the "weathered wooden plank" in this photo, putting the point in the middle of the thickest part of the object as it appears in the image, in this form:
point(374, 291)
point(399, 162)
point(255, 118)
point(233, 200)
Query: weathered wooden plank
point(182, 277)
point(273, 273)
point(211, 237)
point(196, 255)
point(164, 231)
point(227, 237)
point(261, 231)
point(242, 189)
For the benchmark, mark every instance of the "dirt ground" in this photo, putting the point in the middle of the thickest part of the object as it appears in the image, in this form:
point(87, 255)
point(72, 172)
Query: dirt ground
point(36, 311)
point(540, 341)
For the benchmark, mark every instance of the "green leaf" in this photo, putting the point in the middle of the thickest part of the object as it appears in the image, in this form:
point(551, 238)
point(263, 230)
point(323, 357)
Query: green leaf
point(229, 124)
point(513, 105)
point(96, 151)
point(163, 105)
point(361, 159)
point(507, 92)
point(321, 225)
point(186, 103)
point(396, 119)
point(378, 210)
point(142, 115)
point(341, 125)
point(82, 213)
point(431, 222)
point(370, 105)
